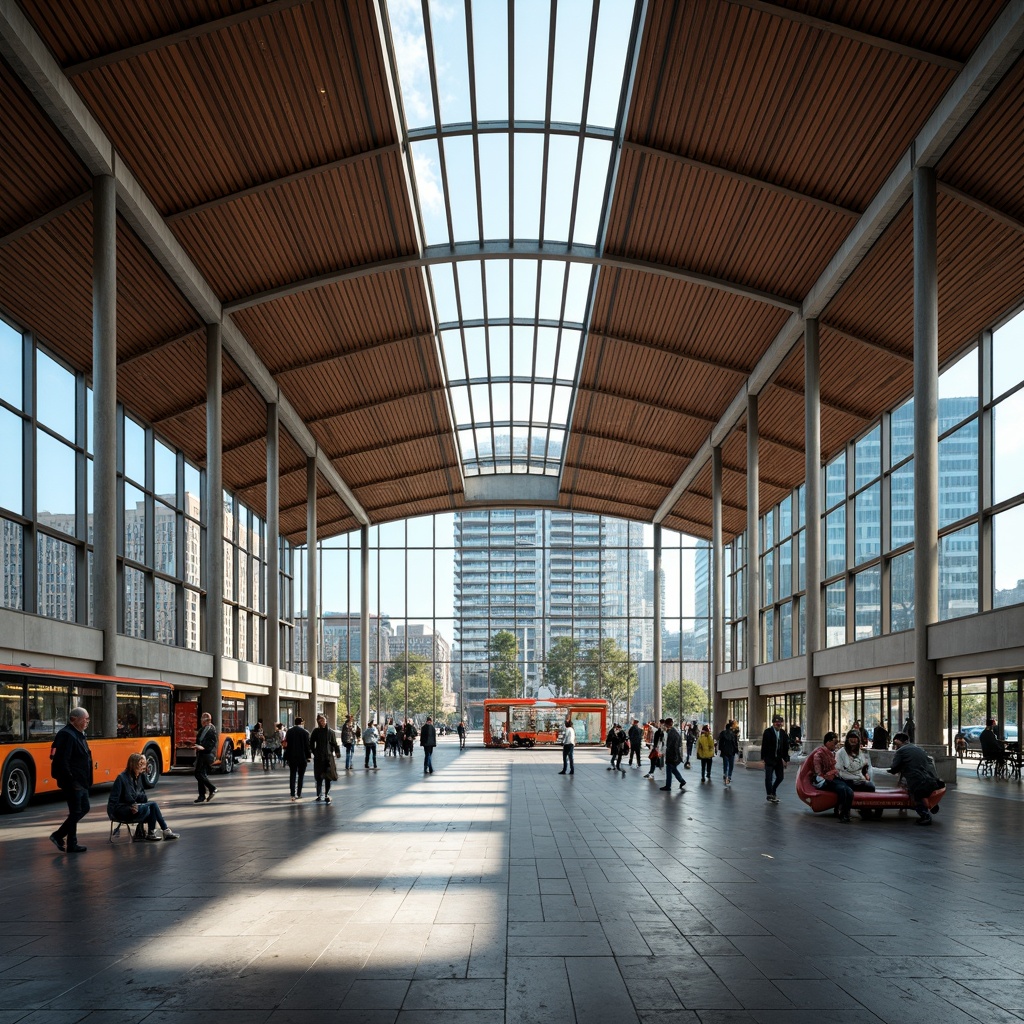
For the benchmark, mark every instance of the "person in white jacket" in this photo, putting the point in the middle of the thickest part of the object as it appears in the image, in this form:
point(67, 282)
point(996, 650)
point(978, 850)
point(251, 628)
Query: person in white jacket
point(854, 763)
point(568, 746)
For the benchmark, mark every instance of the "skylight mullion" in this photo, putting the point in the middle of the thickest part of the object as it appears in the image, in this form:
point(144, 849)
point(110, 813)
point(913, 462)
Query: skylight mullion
point(465, 353)
point(588, 77)
point(533, 361)
point(552, 24)
point(487, 351)
point(511, 29)
point(558, 351)
point(471, 61)
point(428, 37)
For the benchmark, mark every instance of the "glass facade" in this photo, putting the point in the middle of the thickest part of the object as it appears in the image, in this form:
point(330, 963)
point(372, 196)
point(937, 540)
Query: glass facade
point(46, 517)
point(507, 602)
point(868, 515)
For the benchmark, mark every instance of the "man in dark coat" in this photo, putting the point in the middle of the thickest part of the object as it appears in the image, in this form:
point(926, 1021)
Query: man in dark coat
point(915, 766)
point(673, 755)
point(775, 754)
point(636, 739)
point(880, 737)
point(428, 740)
point(72, 771)
point(462, 735)
point(205, 747)
point(297, 753)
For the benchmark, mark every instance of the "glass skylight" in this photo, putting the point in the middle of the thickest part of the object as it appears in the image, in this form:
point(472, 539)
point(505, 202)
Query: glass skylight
point(511, 109)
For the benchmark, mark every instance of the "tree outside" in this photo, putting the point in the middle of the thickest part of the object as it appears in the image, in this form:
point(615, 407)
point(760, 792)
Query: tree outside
point(562, 668)
point(347, 676)
point(506, 679)
point(421, 685)
point(694, 702)
point(605, 671)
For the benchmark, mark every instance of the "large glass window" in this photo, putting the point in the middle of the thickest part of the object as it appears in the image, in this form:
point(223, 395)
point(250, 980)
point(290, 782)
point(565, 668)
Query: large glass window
point(503, 602)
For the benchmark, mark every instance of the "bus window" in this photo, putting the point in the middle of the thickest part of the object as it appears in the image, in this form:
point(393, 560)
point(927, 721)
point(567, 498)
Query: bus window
point(156, 713)
point(12, 720)
point(91, 698)
point(233, 716)
point(47, 710)
point(129, 711)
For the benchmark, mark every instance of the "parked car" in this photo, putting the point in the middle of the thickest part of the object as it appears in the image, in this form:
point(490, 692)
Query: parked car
point(973, 733)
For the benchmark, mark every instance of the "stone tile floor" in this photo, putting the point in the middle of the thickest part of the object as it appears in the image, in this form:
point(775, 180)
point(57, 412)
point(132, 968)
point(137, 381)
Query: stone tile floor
point(497, 890)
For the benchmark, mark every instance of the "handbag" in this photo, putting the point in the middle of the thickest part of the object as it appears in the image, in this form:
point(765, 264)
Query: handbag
point(332, 766)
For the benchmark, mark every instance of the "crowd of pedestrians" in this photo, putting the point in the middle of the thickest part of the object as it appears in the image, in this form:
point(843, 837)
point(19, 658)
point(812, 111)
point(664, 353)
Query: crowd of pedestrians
point(667, 747)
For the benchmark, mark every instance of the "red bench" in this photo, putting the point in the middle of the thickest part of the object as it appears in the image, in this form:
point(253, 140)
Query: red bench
point(870, 805)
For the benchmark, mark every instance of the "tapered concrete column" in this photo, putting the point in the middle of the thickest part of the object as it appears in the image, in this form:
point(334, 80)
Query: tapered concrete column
point(755, 713)
point(658, 612)
point(927, 682)
point(214, 517)
point(312, 606)
point(104, 411)
point(718, 705)
point(364, 625)
point(816, 710)
point(273, 560)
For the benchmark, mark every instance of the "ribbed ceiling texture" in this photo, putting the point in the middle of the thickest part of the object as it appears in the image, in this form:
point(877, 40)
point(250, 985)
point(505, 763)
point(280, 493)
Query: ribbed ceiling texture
point(493, 252)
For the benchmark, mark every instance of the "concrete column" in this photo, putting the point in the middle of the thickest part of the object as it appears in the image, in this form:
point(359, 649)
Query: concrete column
point(104, 410)
point(755, 705)
point(816, 711)
point(658, 612)
point(718, 705)
point(312, 606)
point(215, 517)
point(927, 682)
point(273, 560)
point(364, 625)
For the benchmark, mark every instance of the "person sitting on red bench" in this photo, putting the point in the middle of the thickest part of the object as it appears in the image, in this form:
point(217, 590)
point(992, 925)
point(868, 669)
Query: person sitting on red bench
point(826, 775)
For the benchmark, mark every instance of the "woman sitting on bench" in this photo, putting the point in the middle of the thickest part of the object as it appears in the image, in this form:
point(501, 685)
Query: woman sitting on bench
point(854, 763)
point(129, 804)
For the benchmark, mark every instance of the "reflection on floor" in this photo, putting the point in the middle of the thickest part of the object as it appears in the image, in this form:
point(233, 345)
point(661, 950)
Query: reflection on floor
point(497, 890)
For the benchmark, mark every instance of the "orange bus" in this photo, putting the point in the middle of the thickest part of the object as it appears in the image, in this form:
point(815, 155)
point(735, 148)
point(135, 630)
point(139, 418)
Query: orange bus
point(529, 722)
point(187, 712)
point(34, 707)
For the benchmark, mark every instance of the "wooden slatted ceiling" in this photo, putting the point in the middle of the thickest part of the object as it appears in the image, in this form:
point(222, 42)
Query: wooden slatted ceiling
point(38, 172)
point(234, 108)
point(997, 178)
point(719, 82)
point(789, 103)
point(46, 281)
point(722, 227)
point(666, 378)
point(350, 216)
point(338, 319)
point(711, 324)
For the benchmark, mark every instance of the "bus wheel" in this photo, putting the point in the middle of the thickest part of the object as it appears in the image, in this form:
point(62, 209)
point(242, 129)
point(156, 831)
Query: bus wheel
point(227, 759)
point(151, 776)
point(17, 785)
